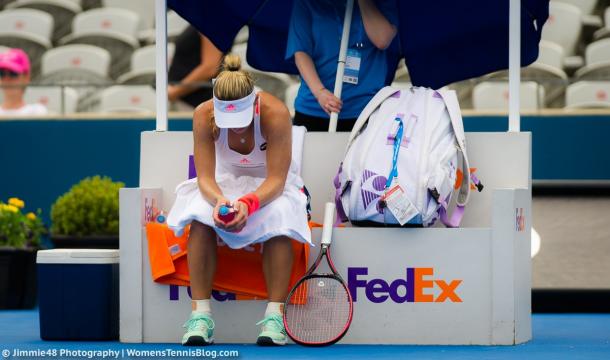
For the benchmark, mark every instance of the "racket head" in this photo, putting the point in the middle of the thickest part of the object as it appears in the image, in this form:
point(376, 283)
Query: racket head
point(318, 310)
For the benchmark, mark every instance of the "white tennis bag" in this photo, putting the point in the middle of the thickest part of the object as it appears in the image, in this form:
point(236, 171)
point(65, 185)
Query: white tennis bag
point(402, 158)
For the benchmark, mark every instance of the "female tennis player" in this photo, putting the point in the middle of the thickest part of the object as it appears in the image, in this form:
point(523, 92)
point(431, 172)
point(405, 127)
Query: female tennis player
point(243, 146)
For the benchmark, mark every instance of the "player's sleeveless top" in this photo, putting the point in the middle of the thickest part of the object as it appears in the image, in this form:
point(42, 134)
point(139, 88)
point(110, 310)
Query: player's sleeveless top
point(238, 174)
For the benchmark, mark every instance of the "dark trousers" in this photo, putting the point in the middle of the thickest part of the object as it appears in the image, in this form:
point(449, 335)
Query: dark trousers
point(314, 123)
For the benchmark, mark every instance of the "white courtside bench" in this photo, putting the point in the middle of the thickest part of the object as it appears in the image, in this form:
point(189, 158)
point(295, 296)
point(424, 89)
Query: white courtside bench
point(412, 286)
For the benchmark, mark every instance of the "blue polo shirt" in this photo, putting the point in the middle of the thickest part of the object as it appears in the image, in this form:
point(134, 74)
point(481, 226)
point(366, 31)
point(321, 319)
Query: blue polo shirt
point(315, 28)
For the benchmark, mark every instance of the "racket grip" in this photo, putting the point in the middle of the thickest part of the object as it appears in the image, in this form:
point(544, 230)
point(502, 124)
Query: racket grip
point(327, 227)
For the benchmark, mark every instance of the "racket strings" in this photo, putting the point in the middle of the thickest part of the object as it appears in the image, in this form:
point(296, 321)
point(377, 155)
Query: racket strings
point(318, 310)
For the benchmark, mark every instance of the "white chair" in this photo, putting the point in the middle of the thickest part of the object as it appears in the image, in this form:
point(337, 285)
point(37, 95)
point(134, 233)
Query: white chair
point(27, 29)
point(144, 8)
point(135, 98)
point(143, 65)
point(63, 11)
point(563, 26)
point(109, 28)
point(242, 36)
point(494, 96)
point(175, 26)
point(290, 96)
point(546, 71)
point(53, 99)
point(3, 3)
point(586, 6)
point(76, 58)
point(402, 85)
point(588, 94)
point(274, 83)
point(597, 56)
point(84, 67)
point(402, 73)
point(605, 31)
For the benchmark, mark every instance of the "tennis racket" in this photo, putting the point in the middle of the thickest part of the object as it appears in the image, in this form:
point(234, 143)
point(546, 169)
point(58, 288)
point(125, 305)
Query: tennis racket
point(318, 310)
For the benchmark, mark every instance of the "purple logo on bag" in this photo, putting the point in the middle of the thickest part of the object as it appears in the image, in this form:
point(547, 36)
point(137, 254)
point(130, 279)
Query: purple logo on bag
point(372, 188)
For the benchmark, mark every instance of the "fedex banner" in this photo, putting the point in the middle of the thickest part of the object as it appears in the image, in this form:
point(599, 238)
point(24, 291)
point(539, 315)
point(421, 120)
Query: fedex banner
point(416, 286)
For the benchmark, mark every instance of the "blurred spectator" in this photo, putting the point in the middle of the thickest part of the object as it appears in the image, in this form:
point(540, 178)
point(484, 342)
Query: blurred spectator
point(14, 78)
point(196, 60)
point(314, 39)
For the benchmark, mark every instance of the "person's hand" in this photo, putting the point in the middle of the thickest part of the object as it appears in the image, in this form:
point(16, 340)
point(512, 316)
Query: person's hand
point(328, 101)
point(219, 223)
point(240, 219)
point(172, 93)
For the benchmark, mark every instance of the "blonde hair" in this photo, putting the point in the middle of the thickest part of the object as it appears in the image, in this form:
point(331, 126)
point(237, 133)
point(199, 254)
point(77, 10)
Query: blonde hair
point(232, 83)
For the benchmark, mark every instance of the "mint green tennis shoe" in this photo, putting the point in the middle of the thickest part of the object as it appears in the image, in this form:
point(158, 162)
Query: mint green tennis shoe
point(273, 332)
point(199, 330)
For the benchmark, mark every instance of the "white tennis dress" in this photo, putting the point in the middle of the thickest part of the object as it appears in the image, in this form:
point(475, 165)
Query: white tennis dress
point(237, 175)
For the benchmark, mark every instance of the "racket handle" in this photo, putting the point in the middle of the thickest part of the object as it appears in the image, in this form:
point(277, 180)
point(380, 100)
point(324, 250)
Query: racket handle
point(327, 228)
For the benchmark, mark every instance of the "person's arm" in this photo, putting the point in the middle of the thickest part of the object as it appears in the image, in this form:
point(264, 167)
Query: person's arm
point(211, 59)
point(378, 29)
point(205, 158)
point(327, 100)
point(277, 130)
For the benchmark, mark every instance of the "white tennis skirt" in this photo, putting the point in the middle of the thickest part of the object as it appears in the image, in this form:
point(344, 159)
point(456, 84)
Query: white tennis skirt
point(286, 215)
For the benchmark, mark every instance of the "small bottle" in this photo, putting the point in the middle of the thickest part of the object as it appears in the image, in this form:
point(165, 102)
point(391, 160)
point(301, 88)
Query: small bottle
point(226, 213)
point(161, 217)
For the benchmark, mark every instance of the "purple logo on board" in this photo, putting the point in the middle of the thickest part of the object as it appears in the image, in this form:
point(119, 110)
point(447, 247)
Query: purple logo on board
point(174, 294)
point(416, 286)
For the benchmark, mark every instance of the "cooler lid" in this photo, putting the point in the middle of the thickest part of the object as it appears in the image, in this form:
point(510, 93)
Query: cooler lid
point(78, 256)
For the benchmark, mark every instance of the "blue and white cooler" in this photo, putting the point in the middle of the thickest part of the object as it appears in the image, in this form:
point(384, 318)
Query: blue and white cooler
point(78, 292)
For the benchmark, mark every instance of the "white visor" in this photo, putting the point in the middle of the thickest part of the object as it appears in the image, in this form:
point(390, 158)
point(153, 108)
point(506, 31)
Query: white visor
point(234, 113)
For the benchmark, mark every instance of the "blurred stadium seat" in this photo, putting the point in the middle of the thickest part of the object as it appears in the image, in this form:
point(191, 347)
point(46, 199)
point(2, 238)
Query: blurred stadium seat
point(53, 99)
point(144, 8)
point(175, 26)
point(29, 30)
point(135, 98)
point(143, 66)
point(597, 57)
point(586, 6)
point(3, 3)
point(63, 11)
point(290, 96)
point(563, 26)
point(242, 36)
point(490, 95)
point(110, 28)
point(274, 83)
point(84, 67)
point(588, 94)
point(605, 31)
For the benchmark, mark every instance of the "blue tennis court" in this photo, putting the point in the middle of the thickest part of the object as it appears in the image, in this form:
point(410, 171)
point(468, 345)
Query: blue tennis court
point(555, 336)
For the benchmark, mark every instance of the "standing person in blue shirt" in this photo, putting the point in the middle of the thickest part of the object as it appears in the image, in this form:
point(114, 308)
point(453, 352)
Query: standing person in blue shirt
point(314, 39)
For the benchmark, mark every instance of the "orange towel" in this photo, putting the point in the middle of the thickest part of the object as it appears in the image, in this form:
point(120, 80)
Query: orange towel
point(237, 271)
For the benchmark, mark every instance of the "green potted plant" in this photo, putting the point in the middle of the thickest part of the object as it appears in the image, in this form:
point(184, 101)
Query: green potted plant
point(20, 235)
point(87, 216)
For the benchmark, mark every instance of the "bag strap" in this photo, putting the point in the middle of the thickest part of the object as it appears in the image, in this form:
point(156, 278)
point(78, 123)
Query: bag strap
point(453, 108)
point(372, 105)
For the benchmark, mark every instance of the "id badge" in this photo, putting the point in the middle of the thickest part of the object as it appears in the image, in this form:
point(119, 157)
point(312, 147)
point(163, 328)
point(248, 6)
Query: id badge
point(398, 203)
point(352, 66)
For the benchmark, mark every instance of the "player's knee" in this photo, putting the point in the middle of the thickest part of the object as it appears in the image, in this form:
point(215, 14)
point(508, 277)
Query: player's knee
point(201, 232)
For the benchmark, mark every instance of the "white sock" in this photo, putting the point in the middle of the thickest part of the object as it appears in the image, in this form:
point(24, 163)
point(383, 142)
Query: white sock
point(201, 306)
point(274, 308)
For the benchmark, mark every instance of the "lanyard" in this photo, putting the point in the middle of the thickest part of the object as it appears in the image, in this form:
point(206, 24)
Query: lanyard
point(397, 141)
